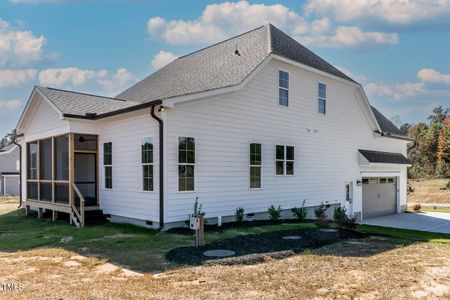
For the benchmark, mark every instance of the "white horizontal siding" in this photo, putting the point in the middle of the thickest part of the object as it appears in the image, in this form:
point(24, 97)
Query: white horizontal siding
point(127, 199)
point(325, 146)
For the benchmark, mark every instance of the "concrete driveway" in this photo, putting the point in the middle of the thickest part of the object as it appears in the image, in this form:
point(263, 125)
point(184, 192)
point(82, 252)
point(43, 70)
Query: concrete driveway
point(426, 221)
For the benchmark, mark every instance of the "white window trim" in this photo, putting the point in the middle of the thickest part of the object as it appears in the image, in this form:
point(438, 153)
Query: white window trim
point(320, 98)
point(147, 164)
point(284, 160)
point(286, 89)
point(250, 165)
point(194, 164)
point(104, 166)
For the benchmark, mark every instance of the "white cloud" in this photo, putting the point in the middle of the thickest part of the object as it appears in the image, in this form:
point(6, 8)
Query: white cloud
point(390, 11)
point(10, 78)
point(162, 58)
point(71, 75)
point(396, 91)
point(433, 76)
point(115, 83)
point(10, 104)
point(18, 47)
point(94, 81)
point(220, 21)
point(349, 36)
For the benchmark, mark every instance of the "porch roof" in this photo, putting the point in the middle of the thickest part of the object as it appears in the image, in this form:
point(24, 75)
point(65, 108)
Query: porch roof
point(371, 156)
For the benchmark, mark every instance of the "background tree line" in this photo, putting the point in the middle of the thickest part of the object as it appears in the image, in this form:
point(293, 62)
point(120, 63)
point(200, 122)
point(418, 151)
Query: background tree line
point(430, 155)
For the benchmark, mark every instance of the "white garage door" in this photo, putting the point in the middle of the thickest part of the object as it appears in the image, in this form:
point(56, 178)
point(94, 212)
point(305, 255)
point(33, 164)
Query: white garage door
point(379, 196)
point(11, 185)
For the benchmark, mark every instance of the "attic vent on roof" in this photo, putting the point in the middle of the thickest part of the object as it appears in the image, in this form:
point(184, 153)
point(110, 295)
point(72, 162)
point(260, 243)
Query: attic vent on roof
point(91, 115)
point(237, 51)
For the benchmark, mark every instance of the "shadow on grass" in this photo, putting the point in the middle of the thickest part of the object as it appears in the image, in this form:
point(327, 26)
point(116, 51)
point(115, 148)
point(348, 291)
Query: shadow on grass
point(141, 249)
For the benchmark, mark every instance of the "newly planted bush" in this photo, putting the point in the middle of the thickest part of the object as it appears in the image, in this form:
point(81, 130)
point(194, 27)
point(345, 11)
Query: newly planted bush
point(274, 212)
point(350, 222)
point(300, 212)
point(239, 215)
point(198, 209)
point(320, 211)
point(417, 207)
point(340, 216)
point(322, 221)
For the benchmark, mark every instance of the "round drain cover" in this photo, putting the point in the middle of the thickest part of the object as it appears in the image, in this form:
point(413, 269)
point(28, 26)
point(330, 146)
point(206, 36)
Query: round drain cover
point(329, 230)
point(219, 253)
point(292, 237)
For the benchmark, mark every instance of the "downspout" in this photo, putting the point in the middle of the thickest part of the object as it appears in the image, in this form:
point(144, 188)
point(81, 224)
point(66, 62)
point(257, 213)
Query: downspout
point(20, 171)
point(161, 161)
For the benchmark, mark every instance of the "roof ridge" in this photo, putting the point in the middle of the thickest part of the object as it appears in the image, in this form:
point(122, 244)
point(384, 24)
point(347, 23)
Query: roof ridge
point(81, 93)
point(221, 42)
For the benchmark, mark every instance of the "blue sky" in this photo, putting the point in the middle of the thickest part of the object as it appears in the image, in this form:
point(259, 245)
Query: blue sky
point(399, 52)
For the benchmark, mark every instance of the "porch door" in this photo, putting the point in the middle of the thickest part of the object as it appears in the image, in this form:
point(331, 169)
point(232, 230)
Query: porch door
point(86, 177)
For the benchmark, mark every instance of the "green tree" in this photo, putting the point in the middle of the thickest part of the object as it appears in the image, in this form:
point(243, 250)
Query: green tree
point(439, 114)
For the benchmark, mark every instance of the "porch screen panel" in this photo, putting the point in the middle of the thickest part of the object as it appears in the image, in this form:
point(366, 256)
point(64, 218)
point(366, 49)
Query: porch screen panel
point(32, 162)
point(62, 193)
point(32, 190)
point(46, 192)
point(45, 159)
point(62, 157)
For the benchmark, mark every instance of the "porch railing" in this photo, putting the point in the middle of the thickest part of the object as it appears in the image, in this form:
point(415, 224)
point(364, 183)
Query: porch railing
point(78, 215)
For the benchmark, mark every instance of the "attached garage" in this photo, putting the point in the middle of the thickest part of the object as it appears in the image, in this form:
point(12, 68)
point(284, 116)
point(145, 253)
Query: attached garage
point(381, 173)
point(379, 196)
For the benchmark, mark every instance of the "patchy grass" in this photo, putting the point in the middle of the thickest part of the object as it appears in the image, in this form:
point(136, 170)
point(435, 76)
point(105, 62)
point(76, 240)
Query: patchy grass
point(429, 191)
point(445, 209)
point(56, 261)
point(411, 235)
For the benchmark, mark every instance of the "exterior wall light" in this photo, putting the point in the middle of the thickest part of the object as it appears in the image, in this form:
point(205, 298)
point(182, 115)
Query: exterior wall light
point(161, 109)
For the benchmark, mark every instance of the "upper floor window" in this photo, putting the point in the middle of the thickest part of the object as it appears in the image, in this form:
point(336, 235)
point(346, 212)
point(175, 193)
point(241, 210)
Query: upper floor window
point(322, 98)
point(255, 166)
point(186, 164)
point(284, 160)
point(107, 163)
point(283, 88)
point(147, 163)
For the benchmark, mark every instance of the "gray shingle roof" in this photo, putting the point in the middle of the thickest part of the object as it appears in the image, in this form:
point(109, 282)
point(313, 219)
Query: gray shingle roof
point(218, 66)
point(385, 157)
point(386, 125)
point(74, 103)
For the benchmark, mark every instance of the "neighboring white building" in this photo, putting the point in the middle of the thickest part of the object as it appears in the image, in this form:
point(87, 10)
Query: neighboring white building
point(9, 171)
point(249, 122)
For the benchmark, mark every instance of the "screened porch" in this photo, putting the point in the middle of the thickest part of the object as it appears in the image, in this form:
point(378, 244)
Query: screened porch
point(62, 175)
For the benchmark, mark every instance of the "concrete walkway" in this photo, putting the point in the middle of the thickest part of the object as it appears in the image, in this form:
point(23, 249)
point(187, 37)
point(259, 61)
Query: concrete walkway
point(424, 221)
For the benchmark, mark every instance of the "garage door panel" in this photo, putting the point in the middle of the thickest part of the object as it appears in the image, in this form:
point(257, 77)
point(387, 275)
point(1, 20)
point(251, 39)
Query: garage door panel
point(379, 199)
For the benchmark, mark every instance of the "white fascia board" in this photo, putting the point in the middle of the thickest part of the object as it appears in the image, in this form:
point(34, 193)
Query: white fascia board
point(362, 160)
point(27, 107)
point(9, 151)
point(388, 165)
point(170, 102)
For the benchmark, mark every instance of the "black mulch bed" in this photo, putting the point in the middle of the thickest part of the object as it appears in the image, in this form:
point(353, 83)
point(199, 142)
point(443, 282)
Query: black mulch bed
point(255, 248)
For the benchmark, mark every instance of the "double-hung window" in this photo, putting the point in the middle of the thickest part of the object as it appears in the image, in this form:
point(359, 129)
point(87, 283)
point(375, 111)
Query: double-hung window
point(255, 166)
point(322, 98)
point(107, 163)
point(186, 164)
point(147, 163)
point(283, 88)
point(284, 160)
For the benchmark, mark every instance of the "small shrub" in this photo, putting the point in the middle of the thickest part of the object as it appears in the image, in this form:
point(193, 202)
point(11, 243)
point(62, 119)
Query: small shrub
point(322, 221)
point(320, 211)
point(197, 209)
point(417, 207)
point(300, 212)
point(274, 212)
point(340, 216)
point(239, 215)
point(350, 222)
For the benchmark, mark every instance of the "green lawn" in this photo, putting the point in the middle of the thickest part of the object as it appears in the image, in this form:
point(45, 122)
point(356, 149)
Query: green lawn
point(128, 245)
point(408, 235)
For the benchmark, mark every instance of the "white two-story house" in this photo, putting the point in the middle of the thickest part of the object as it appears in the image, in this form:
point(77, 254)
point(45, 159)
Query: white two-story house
point(253, 121)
